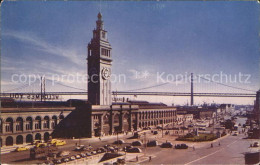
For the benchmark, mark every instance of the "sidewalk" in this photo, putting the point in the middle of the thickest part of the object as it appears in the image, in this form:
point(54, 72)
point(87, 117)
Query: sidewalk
point(8, 149)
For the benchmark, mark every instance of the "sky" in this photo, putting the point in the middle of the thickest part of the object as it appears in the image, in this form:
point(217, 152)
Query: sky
point(153, 43)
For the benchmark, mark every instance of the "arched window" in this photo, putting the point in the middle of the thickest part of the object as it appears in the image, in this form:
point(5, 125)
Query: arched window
point(19, 124)
point(38, 122)
point(46, 122)
point(54, 122)
point(29, 123)
point(9, 125)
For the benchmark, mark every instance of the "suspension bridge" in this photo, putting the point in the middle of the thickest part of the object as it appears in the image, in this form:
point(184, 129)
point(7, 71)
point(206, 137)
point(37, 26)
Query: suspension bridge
point(236, 92)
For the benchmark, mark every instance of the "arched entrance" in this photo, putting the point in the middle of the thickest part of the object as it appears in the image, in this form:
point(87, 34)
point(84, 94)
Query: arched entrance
point(106, 126)
point(19, 139)
point(126, 122)
point(38, 136)
point(9, 141)
point(116, 122)
point(29, 138)
point(46, 136)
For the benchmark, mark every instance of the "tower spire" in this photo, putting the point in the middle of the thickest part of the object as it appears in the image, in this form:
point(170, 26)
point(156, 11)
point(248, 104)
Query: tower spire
point(99, 22)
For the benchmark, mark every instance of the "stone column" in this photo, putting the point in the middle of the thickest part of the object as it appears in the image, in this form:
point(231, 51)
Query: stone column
point(24, 126)
point(121, 122)
point(137, 121)
point(14, 127)
point(130, 122)
point(101, 122)
point(33, 125)
point(111, 123)
point(3, 140)
point(50, 123)
point(42, 125)
point(3, 127)
point(92, 126)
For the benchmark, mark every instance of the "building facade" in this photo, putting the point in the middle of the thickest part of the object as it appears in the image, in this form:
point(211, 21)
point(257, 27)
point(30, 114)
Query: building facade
point(23, 125)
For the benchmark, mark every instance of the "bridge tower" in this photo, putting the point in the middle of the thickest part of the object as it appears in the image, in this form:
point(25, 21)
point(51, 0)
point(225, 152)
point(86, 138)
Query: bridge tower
point(99, 66)
point(257, 107)
point(191, 88)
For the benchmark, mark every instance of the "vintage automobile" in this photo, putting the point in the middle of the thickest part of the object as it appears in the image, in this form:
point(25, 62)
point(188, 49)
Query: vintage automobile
point(18, 149)
point(137, 143)
point(181, 146)
point(167, 145)
point(153, 143)
point(134, 150)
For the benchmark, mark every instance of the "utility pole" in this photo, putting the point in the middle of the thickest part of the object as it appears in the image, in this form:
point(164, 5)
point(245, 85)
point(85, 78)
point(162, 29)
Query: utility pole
point(191, 88)
point(44, 88)
point(145, 144)
point(41, 89)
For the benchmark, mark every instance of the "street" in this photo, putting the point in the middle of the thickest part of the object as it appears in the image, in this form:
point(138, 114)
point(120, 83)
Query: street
point(226, 150)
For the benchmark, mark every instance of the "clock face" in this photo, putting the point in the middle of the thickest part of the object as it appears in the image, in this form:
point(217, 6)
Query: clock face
point(105, 73)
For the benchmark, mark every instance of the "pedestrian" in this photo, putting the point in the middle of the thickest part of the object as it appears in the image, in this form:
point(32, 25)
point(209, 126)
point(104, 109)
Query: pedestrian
point(150, 158)
point(137, 158)
point(100, 138)
point(218, 143)
point(211, 145)
point(193, 148)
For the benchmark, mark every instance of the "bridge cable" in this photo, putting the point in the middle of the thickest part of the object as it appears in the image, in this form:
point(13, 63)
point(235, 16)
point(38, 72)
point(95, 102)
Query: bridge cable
point(227, 85)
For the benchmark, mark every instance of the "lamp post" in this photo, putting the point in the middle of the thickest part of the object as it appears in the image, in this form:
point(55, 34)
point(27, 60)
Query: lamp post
point(145, 144)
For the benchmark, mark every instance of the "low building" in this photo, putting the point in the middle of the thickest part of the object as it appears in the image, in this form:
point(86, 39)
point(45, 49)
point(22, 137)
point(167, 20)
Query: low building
point(23, 122)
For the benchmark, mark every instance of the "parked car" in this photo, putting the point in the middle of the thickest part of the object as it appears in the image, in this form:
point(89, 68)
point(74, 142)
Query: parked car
point(88, 154)
point(167, 145)
point(181, 146)
point(101, 149)
point(119, 142)
point(73, 157)
point(93, 152)
point(256, 144)
point(80, 148)
point(159, 127)
point(63, 153)
point(134, 150)
point(155, 132)
point(78, 156)
point(152, 143)
point(83, 155)
point(137, 143)
point(235, 134)
point(126, 148)
point(59, 143)
point(57, 161)
point(18, 149)
point(67, 159)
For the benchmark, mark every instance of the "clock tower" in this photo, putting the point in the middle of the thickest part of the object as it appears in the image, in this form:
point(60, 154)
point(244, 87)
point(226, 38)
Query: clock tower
point(99, 66)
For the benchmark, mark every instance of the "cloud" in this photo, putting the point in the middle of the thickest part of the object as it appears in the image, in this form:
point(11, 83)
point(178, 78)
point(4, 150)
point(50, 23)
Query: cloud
point(41, 45)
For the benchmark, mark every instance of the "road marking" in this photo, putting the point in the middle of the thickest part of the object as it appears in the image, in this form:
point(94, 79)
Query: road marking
point(209, 154)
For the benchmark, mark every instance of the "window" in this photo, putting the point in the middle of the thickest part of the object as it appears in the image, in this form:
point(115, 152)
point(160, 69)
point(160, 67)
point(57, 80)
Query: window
point(105, 52)
point(104, 35)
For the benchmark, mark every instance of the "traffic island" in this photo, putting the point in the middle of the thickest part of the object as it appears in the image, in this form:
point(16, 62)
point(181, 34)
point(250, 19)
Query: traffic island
point(200, 138)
